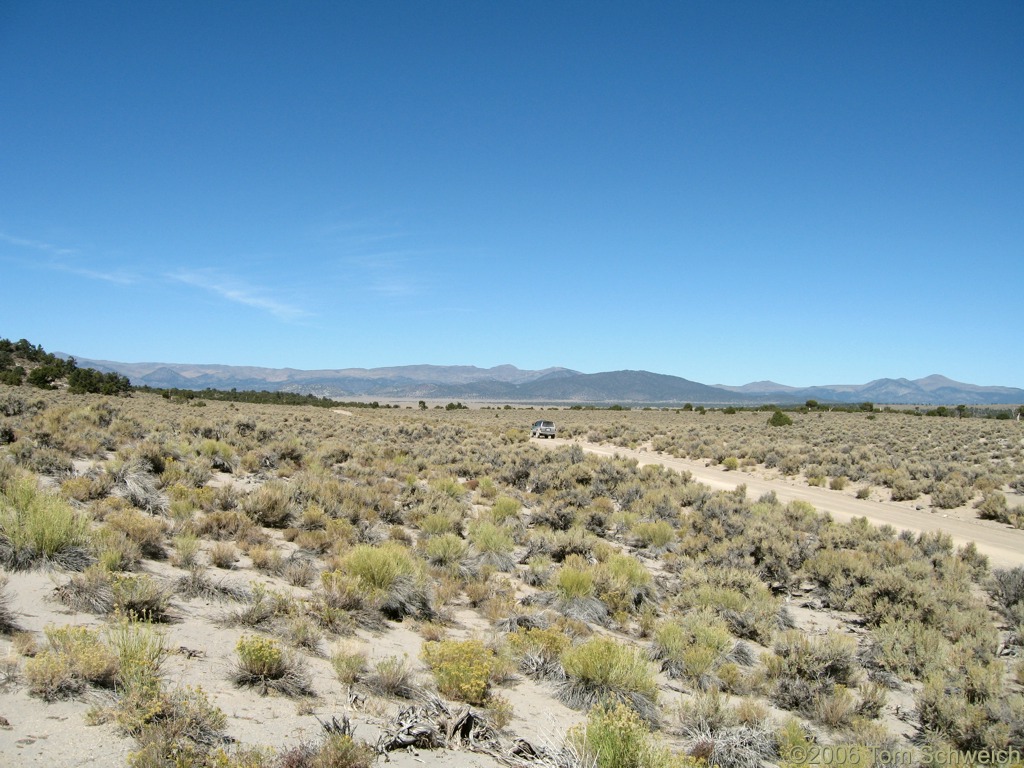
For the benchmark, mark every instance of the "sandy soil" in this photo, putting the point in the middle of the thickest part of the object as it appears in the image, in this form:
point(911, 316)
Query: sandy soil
point(56, 735)
point(1003, 545)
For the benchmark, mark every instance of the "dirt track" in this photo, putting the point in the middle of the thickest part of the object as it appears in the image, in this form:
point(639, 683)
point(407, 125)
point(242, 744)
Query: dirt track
point(1003, 545)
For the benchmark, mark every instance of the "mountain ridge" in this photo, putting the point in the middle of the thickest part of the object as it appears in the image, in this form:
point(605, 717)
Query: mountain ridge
point(553, 385)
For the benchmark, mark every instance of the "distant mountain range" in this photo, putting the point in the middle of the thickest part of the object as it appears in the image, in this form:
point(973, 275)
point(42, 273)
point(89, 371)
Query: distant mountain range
point(506, 383)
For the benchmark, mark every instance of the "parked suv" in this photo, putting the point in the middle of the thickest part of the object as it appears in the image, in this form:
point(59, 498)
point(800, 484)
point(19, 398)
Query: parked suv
point(542, 429)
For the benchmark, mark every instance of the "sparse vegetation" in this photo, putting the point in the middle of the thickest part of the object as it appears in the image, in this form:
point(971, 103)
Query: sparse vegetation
point(592, 572)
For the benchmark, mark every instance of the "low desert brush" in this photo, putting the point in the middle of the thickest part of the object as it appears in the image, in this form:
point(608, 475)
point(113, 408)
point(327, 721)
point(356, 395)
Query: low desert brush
point(504, 508)
point(147, 531)
point(603, 670)
point(614, 736)
point(114, 550)
point(494, 544)
point(223, 554)
point(450, 553)
point(141, 597)
point(270, 505)
point(392, 676)
point(8, 616)
point(262, 663)
point(656, 535)
point(695, 646)
point(461, 668)
point(300, 571)
point(37, 526)
point(91, 591)
point(74, 658)
point(334, 750)
point(178, 727)
point(721, 735)
point(141, 650)
point(391, 576)
point(186, 550)
point(575, 585)
point(349, 664)
point(539, 652)
point(197, 583)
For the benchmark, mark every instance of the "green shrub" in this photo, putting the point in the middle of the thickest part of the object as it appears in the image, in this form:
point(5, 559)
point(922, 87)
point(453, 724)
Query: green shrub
point(461, 668)
point(450, 487)
point(615, 736)
point(993, 506)
point(494, 543)
point(954, 706)
point(264, 664)
point(504, 508)
point(834, 706)
point(539, 651)
point(140, 597)
point(575, 579)
point(779, 419)
point(694, 646)
point(186, 550)
point(450, 553)
point(909, 650)
point(36, 526)
point(602, 670)
point(144, 530)
point(75, 658)
point(950, 495)
point(261, 657)
point(624, 584)
point(441, 522)
point(341, 750)
point(902, 487)
point(829, 657)
point(141, 651)
point(177, 728)
point(803, 672)
point(220, 455)
point(655, 535)
point(379, 568)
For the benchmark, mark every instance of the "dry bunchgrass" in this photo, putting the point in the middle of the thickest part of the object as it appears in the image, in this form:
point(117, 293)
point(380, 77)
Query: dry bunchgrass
point(197, 583)
point(264, 665)
point(602, 670)
point(38, 527)
point(8, 616)
point(393, 677)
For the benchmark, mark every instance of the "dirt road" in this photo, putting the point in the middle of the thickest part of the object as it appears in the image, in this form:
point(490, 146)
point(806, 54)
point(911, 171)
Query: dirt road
point(1003, 545)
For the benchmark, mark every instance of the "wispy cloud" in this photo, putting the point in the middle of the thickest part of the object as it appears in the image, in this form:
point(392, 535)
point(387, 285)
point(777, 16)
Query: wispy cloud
point(119, 277)
point(62, 259)
point(37, 245)
point(238, 292)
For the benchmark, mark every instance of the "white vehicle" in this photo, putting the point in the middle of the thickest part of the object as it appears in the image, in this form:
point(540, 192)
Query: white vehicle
point(542, 429)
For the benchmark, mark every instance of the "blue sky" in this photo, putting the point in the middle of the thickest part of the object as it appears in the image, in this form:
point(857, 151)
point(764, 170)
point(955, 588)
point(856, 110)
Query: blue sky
point(810, 192)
